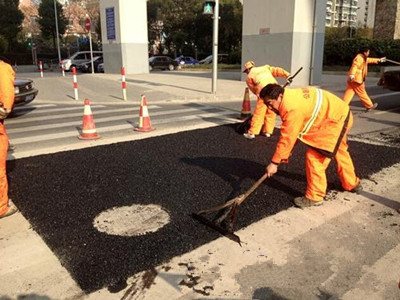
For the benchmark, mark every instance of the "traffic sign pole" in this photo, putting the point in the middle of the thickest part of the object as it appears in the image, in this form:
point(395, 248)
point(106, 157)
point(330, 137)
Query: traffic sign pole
point(88, 28)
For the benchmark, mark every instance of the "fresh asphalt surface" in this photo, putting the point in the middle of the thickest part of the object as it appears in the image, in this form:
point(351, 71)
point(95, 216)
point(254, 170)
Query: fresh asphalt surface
point(184, 173)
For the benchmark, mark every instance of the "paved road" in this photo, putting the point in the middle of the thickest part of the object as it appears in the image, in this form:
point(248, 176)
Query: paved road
point(346, 249)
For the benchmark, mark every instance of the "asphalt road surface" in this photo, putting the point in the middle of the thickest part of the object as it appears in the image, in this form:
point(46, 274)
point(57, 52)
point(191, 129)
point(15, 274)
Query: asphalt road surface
point(72, 198)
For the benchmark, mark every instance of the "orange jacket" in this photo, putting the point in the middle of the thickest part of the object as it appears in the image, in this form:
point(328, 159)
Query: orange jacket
point(7, 76)
point(259, 77)
point(359, 68)
point(314, 116)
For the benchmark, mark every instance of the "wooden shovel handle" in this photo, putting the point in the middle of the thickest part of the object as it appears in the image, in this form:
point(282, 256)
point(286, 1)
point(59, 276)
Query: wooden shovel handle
point(245, 195)
point(392, 61)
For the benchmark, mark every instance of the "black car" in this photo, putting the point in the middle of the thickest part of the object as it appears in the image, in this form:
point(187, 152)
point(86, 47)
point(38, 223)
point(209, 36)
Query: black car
point(24, 90)
point(390, 80)
point(163, 63)
point(86, 67)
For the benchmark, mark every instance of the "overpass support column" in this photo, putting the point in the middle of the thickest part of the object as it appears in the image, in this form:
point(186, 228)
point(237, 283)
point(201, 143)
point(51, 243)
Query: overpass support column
point(124, 35)
point(289, 34)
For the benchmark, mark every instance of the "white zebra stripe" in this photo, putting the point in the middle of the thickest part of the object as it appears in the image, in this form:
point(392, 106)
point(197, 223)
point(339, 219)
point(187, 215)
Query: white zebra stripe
point(72, 133)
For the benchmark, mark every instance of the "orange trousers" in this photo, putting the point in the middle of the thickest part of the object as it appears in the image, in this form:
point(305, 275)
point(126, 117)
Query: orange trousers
point(3, 175)
point(263, 119)
point(358, 89)
point(317, 163)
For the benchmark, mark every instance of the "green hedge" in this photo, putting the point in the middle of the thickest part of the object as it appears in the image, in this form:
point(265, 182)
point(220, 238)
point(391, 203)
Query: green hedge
point(342, 51)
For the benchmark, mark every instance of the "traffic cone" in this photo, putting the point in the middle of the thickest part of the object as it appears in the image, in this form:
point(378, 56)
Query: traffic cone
point(144, 118)
point(88, 127)
point(246, 107)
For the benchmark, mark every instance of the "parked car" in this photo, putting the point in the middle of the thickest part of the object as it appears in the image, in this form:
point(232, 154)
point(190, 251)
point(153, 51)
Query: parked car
point(222, 58)
point(86, 67)
point(78, 58)
point(24, 90)
point(163, 63)
point(186, 60)
point(390, 80)
point(100, 68)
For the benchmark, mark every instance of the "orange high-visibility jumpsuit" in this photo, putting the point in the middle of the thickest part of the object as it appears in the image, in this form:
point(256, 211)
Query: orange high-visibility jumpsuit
point(7, 77)
point(359, 69)
point(258, 78)
point(321, 120)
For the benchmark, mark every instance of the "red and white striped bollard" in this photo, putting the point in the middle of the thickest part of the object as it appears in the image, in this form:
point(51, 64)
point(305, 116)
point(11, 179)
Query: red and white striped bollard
point(75, 83)
point(41, 68)
point(123, 83)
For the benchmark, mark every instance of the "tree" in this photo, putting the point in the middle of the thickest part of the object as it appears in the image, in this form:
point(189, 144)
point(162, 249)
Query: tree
point(47, 20)
point(3, 44)
point(188, 31)
point(11, 19)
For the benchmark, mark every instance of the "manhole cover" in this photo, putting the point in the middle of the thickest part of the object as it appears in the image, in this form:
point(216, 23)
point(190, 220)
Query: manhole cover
point(131, 220)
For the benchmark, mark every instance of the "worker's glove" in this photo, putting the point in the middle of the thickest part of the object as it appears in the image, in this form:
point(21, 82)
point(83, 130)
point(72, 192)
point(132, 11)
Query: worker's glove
point(4, 112)
point(351, 77)
point(382, 60)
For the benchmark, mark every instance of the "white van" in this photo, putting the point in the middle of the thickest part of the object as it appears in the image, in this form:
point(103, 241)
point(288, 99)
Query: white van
point(78, 58)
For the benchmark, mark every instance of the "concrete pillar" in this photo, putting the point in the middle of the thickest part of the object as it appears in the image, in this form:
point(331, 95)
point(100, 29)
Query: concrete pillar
point(124, 35)
point(289, 34)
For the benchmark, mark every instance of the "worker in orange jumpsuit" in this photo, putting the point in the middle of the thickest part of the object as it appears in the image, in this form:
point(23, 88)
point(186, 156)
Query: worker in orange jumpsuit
point(356, 78)
point(321, 120)
point(263, 119)
point(7, 77)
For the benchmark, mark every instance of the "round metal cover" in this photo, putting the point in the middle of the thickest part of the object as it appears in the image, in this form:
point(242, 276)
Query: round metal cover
point(131, 220)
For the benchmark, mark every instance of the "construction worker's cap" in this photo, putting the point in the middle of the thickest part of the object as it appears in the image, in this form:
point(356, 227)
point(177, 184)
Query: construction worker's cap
point(248, 65)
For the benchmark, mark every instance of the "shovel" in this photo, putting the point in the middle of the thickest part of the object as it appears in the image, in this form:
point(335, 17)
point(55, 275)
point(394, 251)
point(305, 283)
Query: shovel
point(228, 209)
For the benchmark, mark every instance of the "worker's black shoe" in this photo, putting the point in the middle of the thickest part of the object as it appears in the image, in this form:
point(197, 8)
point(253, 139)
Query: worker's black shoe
point(375, 105)
point(358, 189)
point(304, 202)
point(12, 209)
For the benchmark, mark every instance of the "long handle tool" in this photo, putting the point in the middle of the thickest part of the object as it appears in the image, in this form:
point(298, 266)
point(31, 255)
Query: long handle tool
point(229, 208)
point(392, 61)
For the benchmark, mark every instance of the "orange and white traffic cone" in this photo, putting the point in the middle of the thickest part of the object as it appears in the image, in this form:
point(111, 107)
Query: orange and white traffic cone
point(246, 106)
point(88, 127)
point(144, 118)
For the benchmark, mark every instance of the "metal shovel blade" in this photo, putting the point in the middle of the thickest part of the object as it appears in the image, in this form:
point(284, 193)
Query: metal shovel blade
point(220, 229)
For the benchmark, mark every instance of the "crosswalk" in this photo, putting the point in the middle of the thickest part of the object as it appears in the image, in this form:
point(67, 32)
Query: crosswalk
point(47, 127)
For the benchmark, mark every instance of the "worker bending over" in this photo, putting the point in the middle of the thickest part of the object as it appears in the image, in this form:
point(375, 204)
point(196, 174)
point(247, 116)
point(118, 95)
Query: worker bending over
point(321, 120)
point(257, 78)
point(356, 78)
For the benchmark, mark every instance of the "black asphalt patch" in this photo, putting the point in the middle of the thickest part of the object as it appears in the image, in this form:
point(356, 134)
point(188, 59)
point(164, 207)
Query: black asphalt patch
point(61, 194)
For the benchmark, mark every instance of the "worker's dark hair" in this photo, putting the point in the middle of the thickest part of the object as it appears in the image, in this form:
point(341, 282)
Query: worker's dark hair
point(271, 91)
point(5, 60)
point(364, 49)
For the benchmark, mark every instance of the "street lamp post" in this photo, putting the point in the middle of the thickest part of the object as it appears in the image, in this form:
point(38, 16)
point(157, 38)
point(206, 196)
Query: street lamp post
point(215, 47)
point(58, 39)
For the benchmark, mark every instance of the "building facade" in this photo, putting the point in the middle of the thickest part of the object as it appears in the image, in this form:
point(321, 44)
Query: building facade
point(340, 13)
point(366, 13)
point(387, 19)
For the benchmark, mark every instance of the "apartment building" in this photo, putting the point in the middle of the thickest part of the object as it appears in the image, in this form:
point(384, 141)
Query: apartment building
point(366, 13)
point(340, 13)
